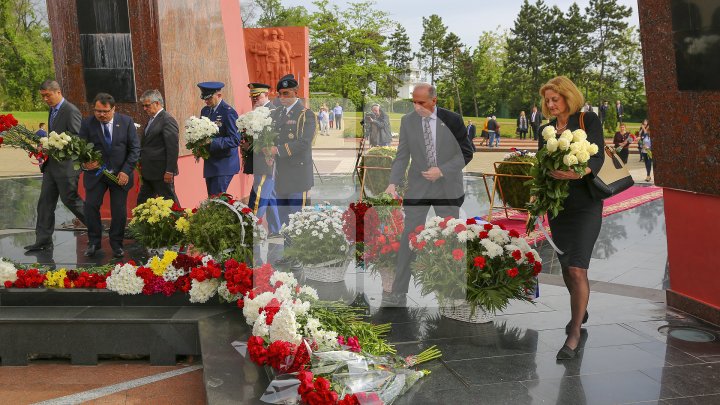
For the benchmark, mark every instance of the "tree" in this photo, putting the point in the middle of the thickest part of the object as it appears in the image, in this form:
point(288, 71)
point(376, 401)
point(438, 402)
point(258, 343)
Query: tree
point(25, 54)
point(574, 53)
point(607, 23)
point(631, 77)
point(431, 43)
point(274, 14)
point(399, 57)
point(451, 52)
point(248, 12)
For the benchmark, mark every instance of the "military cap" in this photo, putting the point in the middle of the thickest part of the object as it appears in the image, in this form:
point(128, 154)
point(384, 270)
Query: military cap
point(287, 82)
point(257, 88)
point(207, 89)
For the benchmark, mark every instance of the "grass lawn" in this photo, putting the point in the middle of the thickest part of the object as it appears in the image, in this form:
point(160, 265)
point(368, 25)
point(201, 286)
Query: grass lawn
point(507, 125)
point(29, 119)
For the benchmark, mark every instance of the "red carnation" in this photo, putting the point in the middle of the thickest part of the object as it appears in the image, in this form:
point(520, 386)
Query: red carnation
point(537, 268)
point(487, 227)
point(513, 272)
point(459, 228)
point(483, 235)
point(514, 233)
point(439, 242)
point(530, 257)
point(471, 221)
point(8, 284)
point(246, 210)
point(458, 254)
point(517, 255)
point(419, 228)
point(479, 261)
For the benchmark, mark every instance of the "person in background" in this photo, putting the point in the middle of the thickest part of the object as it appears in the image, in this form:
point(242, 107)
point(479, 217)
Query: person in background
point(536, 119)
point(338, 112)
point(647, 149)
point(522, 125)
point(603, 111)
point(379, 126)
point(471, 134)
point(41, 132)
point(643, 128)
point(323, 119)
point(619, 111)
point(622, 143)
point(484, 133)
point(331, 115)
point(492, 128)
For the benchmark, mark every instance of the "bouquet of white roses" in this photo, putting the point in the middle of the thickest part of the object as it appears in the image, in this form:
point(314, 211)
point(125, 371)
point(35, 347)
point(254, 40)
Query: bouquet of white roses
point(570, 151)
point(66, 146)
point(198, 134)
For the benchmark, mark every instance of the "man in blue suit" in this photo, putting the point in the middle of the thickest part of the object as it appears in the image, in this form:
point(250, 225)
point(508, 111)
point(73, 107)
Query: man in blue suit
point(114, 136)
point(224, 161)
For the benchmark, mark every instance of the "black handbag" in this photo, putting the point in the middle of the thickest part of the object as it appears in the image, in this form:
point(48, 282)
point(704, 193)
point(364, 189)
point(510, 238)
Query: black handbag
point(613, 177)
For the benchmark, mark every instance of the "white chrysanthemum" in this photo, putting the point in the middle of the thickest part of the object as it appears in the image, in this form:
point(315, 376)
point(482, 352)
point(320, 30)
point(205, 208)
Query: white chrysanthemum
point(285, 278)
point(548, 133)
point(462, 236)
point(202, 291)
point(197, 129)
point(579, 135)
point(307, 291)
point(300, 307)
point(285, 327)
point(124, 280)
point(493, 249)
point(552, 145)
point(499, 236)
point(570, 160)
point(522, 244)
point(206, 259)
point(260, 327)
point(251, 309)
point(226, 294)
point(8, 272)
point(172, 274)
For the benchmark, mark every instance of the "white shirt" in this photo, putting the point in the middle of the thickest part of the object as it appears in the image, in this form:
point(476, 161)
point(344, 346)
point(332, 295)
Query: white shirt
point(109, 126)
point(287, 109)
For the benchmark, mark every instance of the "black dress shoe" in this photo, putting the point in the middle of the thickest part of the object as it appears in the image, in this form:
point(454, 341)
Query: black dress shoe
point(119, 252)
point(90, 251)
point(39, 246)
point(584, 321)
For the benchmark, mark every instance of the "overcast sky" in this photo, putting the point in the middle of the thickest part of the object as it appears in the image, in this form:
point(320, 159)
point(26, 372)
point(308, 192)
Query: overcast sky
point(465, 18)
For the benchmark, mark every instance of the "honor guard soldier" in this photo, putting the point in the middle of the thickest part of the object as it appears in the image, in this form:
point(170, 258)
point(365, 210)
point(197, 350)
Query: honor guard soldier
point(224, 161)
point(295, 125)
point(262, 195)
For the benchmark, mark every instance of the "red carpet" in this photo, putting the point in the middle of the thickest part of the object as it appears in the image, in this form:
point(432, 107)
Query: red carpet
point(630, 198)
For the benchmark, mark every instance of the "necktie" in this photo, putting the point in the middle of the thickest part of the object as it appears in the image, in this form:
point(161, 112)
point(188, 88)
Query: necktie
point(53, 114)
point(148, 124)
point(108, 137)
point(429, 144)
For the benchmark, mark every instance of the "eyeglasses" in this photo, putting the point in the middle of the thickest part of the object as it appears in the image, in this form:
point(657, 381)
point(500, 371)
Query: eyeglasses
point(103, 111)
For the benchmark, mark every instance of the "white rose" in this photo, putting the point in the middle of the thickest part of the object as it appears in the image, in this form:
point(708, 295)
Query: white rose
point(583, 156)
point(563, 144)
point(592, 149)
point(570, 160)
point(567, 135)
point(548, 133)
point(552, 145)
point(579, 135)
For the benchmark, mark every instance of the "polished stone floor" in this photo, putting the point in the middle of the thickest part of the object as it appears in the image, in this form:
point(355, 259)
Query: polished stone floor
point(630, 351)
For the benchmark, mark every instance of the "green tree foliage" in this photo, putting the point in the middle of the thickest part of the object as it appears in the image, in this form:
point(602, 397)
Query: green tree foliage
point(431, 45)
point(451, 53)
point(274, 14)
point(25, 55)
point(399, 56)
point(607, 21)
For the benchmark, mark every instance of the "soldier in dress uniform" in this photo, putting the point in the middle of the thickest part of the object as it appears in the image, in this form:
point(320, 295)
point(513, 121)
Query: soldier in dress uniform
point(296, 126)
point(224, 161)
point(263, 170)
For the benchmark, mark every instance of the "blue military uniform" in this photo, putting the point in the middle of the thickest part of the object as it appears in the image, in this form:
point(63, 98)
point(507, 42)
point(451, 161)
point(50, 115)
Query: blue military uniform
point(224, 161)
point(262, 195)
point(294, 164)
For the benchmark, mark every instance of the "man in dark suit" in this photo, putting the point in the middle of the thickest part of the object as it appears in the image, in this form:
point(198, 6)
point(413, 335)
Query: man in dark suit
point(471, 134)
point(536, 119)
point(159, 150)
point(113, 135)
point(603, 111)
point(224, 161)
point(433, 141)
point(60, 179)
point(262, 196)
point(619, 111)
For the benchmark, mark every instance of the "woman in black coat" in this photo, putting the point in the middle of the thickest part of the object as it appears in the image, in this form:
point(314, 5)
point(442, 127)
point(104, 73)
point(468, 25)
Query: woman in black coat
point(622, 143)
point(576, 228)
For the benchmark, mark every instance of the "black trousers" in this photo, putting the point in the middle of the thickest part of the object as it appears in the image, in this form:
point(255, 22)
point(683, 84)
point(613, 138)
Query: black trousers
point(118, 211)
point(415, 214)
point(535, 129)
point(55, 186)
point(156, 188)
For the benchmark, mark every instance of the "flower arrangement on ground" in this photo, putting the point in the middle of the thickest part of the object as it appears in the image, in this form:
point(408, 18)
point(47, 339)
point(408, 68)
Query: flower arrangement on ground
point(570, 151)
point(18, 136)
point(160, 222)
point(359, 222)
point(375, 169)
point(198, 135)
point(225, 228)
point(316, 235)
point(8, 272)
point(515, 193)
point(482, 264)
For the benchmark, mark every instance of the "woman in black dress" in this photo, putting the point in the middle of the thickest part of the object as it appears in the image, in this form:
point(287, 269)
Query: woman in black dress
point(622, 143)
point(576, 228)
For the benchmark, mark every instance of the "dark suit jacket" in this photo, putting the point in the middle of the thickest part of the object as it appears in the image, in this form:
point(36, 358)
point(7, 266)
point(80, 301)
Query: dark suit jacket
point(453, 150)
point(68, 119)
point(471, 131)
point(121, 156)
point(294, 161)
point(160, 147)
point(224, 158)
point(538, 119)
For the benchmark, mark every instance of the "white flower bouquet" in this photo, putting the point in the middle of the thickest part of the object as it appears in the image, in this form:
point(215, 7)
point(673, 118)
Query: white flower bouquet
point(569, 151)
point(316, 235)
point(198, 134)
point(66, 146)
point(258, 126)
point(8, 272)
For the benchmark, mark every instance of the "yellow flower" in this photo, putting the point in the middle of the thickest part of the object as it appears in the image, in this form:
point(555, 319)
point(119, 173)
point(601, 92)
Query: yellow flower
point(182, 225)
point(55, 279)
point(159, 266)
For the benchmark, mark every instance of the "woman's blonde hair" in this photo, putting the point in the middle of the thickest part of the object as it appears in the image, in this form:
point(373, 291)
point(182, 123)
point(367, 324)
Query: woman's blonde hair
point(567, 89)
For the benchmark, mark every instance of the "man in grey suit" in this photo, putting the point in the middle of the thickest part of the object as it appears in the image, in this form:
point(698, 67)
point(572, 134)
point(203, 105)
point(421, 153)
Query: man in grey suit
point(115, 137)
point(434, 142)
point(60, 179)
point(159, 150)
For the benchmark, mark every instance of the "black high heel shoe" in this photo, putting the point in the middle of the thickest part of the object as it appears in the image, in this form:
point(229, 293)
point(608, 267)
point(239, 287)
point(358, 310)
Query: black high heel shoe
point(584, 321)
